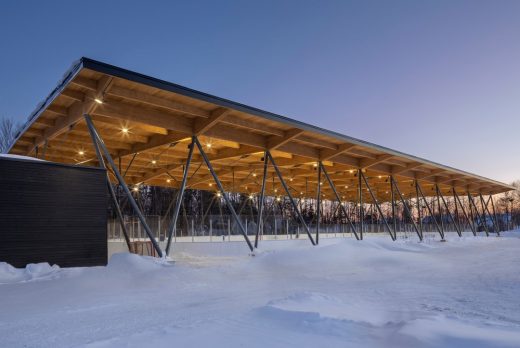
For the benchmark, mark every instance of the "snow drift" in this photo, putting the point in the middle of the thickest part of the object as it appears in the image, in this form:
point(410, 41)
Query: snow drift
point(9, 274)
point(373, 293)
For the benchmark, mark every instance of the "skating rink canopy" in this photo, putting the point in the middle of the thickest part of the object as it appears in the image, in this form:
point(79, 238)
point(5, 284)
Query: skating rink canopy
point(147, 125)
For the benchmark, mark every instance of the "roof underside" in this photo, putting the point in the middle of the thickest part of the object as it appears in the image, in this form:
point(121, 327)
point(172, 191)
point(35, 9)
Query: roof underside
point(155, 120)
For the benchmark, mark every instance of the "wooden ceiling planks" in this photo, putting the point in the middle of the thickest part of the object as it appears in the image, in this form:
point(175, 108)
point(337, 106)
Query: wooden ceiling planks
point(136, 117)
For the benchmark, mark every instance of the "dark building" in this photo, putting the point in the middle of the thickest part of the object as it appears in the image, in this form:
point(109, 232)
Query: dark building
point(52, 212)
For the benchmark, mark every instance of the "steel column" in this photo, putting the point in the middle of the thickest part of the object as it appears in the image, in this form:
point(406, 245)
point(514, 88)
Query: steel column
point(394, 236)
point(131, 199)
point(439, 194)
point(429, 210)
point(361, 210)
point(392, 197)
point(472, 215)
point(260, 223)
point(180, 196)
point(457, 215)
point(494, 213)
point(418, 203)
point(407, 209)
point(224, 193)
point(129, 164)
point(333, 187)
point(318, 204)
point(290, 197)
point(482, 203)
point(112, 193)
point(457, 199)
point(439, 207)
point(470, 197)
point(485, 208)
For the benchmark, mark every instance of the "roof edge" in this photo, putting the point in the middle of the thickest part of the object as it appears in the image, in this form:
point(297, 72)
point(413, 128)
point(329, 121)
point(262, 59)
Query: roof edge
point(74, 69)
point(188, 92)
point(101, 67)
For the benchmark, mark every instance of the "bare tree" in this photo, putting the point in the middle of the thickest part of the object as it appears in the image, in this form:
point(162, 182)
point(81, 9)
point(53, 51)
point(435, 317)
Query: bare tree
point(8, 130)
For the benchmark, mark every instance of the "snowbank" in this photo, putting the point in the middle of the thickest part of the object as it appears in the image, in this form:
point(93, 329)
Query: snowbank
point(132, 263)
point(9, 274)
point(329, 307)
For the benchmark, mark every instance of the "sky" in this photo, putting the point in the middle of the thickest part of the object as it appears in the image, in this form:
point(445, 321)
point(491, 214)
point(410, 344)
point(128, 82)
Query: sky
point(436, 79)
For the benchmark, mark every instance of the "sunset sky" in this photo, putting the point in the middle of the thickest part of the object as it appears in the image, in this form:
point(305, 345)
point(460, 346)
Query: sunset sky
point(436, 79)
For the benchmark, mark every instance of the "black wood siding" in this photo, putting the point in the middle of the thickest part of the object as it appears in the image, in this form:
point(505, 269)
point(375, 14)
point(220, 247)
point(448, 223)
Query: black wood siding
point(52, 213)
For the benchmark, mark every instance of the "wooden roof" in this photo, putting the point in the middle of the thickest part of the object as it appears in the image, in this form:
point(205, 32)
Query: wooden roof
point(155, 119)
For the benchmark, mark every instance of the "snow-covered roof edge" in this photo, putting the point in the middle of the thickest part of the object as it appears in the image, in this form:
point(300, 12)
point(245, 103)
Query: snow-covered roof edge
point(20, 157)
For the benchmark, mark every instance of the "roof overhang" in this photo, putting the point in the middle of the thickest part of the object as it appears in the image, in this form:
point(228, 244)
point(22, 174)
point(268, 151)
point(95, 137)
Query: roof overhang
point(135, 113)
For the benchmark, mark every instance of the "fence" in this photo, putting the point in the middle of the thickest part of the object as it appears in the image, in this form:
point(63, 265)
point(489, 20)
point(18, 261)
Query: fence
point(222, 228)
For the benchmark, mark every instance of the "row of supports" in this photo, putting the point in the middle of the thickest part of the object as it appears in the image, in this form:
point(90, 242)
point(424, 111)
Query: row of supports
point(102, 154)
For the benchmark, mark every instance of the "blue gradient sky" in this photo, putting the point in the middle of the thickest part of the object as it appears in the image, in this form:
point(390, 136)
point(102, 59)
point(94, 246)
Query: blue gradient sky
point(436, 79)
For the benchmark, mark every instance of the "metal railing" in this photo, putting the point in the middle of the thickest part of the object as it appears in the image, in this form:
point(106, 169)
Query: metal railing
point(222, 228)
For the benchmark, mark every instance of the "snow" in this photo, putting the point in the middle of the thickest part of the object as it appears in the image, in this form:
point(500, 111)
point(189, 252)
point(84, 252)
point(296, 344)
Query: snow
point(343, 293)
point(27, 158)
point(33, 271)
point(131, 263)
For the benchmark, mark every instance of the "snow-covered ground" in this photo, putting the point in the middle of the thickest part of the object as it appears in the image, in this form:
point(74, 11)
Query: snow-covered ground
point(343, 293)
